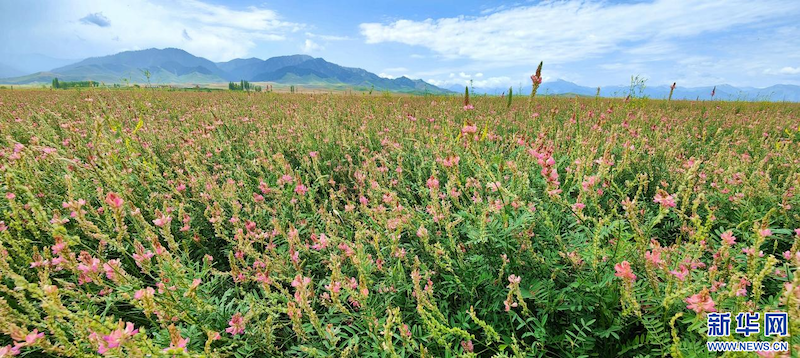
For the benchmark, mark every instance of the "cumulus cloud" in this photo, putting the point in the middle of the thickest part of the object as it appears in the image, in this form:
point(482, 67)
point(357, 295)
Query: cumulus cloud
point(96, 19)
point(574, 30)
point(311, 46)
point(219, 32)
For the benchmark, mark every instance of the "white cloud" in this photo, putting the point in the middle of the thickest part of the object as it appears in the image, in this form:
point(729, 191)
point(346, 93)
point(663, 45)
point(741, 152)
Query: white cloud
point(213, 31)
point(311, 46)
point(327, 37)
point(386, 75)
point(790, 70)
point(783, 71)
point(491, 82)
point(574, 30)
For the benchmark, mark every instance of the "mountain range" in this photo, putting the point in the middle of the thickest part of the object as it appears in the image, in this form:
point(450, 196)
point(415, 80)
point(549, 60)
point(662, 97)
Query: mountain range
point(789, 93)
point(176, 66)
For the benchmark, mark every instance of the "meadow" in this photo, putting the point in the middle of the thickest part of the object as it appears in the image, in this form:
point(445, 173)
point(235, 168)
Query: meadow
point(154, 223)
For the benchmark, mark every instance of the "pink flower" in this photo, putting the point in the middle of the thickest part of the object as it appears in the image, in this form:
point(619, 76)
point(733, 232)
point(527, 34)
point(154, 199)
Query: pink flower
point(178, 347)
point(8, 351)
point(433, 183)
point(321, 243)
point(468, 346)
point(313, 154)
point(113, 200)
point(33, 336)
point(112, 267)
point(468, 107)
point(752, 251)
point(624, 271)
point(664, 199)
point(469, 128)
point(334, 287)
point(742, 290)
point(117, 337)
point(514, 279)
point(701, 302)
point(681, 275)
point(144, 293)
point(301, 281)
point(286, 178)
point(236, 324)
point(3, 226)
point(300, 189)
point(765, 232)
point(162, 221)
point(91, 266)
point(141, 258)
point(10, 196)
point(728, 238)
point(654, 258)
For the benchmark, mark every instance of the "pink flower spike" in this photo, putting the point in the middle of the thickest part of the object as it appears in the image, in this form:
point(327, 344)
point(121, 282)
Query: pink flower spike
point(664, 199)
point(624, 271)
point(701, 302)
point(113, 200)
point(32, 337)
point(236, 324)
point(162, 221)
point(301, 189)
point(728, 238)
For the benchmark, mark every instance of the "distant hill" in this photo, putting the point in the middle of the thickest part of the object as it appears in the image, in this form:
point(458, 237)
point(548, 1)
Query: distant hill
point(789, 93)
point(30, 63)
point(177, 66)
point(9, 71)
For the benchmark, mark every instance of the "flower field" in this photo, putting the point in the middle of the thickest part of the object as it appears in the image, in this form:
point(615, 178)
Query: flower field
point(156, 223)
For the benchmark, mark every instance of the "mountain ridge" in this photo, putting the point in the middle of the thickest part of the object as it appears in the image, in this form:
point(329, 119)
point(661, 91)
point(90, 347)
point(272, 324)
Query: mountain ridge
point(173, 65)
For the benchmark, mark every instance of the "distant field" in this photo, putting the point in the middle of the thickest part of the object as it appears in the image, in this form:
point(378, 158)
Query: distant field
point(144, 222)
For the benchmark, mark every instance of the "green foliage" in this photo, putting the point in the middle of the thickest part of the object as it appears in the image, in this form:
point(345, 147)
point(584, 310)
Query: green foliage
point(75, 84)
point(339, 225)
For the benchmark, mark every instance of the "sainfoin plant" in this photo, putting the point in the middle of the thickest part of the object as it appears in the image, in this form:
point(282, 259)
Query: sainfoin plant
point(154, 223)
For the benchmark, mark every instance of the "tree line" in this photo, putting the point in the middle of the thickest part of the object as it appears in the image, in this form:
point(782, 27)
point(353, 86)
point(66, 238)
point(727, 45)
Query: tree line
point(243, 86)
point(73, 84)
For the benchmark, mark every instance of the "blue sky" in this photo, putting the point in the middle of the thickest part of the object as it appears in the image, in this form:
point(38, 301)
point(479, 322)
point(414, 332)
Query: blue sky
point(497, 44)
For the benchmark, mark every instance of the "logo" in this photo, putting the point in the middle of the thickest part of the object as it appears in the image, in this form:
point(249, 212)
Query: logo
point(776, 324)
